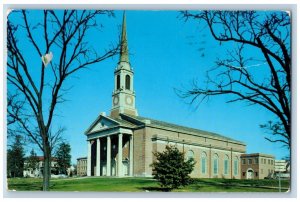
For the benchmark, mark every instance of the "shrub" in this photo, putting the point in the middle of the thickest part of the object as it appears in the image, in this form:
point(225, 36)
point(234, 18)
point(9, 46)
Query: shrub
point(171, 169)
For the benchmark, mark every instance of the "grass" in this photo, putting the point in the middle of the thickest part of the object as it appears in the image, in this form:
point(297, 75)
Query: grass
point(103, 184)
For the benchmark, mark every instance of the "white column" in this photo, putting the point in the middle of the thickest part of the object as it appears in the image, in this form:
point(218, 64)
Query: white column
point(98, 158)
point(120, 155)
point(108, 157)
point(131, 156)
point(89, 159)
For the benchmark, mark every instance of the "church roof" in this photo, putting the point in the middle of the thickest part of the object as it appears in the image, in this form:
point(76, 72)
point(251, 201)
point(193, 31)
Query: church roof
point(134, 122)
point(125, 123)
point(140, 121)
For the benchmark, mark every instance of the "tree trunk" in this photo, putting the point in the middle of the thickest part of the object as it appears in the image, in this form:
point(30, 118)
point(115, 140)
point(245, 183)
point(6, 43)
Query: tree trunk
point(47, 167)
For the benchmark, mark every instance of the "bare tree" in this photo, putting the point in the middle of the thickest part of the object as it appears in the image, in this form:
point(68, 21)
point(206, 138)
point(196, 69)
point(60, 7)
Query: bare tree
point(65, 33)
point(19, 122)
point(257, 70)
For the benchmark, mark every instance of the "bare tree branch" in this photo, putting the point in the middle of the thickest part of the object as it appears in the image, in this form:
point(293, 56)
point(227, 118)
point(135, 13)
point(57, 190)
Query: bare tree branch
point(269, 35)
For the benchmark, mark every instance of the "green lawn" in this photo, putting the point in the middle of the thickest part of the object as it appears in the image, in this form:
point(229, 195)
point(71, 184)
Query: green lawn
point(102, 184)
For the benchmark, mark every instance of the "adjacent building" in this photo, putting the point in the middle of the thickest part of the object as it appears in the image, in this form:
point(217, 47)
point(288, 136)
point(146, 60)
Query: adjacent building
point(122, 143)
point(38, 171)
point(81, 166)
point(257, 166)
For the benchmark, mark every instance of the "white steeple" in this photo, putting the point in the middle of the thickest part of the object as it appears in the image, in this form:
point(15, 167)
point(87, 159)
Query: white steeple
point(123, 98)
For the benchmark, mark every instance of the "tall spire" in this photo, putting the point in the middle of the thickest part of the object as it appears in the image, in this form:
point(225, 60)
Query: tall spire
point(124, 56)
point(123, 97)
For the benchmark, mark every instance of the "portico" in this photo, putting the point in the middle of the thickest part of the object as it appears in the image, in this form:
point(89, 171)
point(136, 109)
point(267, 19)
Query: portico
point(110, 153)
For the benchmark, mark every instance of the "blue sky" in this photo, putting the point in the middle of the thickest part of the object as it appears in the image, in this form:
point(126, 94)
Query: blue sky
point(165, 54)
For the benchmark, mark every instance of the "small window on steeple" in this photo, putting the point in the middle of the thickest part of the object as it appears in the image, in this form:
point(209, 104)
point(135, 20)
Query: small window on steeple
point(118, 82)
point(127, 84)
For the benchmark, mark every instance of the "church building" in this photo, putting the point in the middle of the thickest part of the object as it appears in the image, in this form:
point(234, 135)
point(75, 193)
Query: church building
point(122, 143)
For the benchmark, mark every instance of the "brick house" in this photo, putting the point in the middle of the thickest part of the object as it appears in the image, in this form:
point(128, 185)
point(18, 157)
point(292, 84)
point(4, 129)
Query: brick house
point(257, 166)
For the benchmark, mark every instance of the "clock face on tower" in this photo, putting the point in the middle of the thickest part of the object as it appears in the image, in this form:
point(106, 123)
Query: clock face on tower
point(116, 100)
point(129, 100)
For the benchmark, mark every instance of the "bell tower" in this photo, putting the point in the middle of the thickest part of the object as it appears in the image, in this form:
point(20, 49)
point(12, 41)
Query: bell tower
point(123, 97)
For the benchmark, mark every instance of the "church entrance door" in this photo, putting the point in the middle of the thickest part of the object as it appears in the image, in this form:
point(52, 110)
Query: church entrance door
point(126, 167)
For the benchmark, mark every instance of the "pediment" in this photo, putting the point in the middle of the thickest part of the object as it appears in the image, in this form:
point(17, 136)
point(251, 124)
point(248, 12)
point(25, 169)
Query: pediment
point(101, 123)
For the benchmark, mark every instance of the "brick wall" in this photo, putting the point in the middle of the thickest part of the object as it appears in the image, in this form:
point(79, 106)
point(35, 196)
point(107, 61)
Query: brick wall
point(262, 166)
point(147, 144)
point(139, 152)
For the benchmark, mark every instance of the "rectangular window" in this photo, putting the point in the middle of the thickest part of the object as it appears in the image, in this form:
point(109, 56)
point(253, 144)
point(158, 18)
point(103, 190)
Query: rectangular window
point(243, 161)
point(203, 166)
point(269, 161)
point(235, 167)
point(226, 167)
point(256, 160)
point(264, 161)
point(244, 174)
point(249, 161)
point(215, 166)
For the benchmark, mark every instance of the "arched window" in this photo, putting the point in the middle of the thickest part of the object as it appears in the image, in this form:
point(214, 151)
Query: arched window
point(127, 82)
point(226, 165)
point(190, 154)
point(216, 164)
point(235, 166)
point(203, 162)
point(118, 82)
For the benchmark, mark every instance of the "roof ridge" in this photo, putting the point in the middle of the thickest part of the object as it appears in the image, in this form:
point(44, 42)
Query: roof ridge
point(142, 119)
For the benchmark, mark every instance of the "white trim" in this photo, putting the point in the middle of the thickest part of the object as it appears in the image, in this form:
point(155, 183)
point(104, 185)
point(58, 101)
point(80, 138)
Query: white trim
point(106, 133)
point(200, 147)
point(97, 121)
